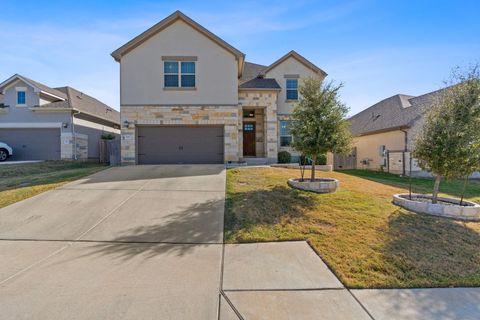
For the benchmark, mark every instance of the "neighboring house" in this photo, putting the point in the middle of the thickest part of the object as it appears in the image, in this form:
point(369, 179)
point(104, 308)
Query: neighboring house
point(385, 133)
point(187, 96)
point(43, 123)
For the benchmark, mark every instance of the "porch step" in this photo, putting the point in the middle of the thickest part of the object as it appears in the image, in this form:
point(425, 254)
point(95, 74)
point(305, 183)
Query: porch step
point(256, 161)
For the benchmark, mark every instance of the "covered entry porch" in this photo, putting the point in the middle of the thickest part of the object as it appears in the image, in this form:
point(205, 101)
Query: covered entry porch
point(258, 126)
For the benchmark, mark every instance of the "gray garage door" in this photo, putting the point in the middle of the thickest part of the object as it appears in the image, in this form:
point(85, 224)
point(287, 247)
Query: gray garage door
point(180, 144)
point(32, 144)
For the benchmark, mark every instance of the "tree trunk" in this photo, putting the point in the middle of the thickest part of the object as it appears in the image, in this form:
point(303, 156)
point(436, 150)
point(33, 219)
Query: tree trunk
point(314, 160)
point(436, 186)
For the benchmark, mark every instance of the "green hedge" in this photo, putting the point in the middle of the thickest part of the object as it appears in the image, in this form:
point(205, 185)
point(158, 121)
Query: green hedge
point(284, 157)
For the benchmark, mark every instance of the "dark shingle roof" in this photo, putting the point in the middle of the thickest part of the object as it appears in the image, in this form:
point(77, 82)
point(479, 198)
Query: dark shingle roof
point(45, 88)
point(399, 111)
point(85, 103)
point(260, 83)
point(70, 98)
point(251, 71)
point(390, 113)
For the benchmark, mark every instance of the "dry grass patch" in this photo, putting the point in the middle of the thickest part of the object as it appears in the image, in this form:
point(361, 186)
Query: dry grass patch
point(21, 181)
point(362, 236)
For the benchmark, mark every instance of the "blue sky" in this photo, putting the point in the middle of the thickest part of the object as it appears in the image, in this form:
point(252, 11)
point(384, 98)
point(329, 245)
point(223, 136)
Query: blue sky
point(376, 48)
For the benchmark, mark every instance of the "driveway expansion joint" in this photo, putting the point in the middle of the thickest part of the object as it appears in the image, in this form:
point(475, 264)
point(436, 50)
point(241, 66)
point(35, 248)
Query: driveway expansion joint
point(227, 299)
point(113, 241)
point(70, 243)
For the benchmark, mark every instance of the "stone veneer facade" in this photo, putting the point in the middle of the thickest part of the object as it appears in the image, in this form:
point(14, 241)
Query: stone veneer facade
point(267, 101)
point(230, 117)
point(67, 146)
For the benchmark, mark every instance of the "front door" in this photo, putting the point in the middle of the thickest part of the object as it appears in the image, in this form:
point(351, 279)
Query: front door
point(249, 139)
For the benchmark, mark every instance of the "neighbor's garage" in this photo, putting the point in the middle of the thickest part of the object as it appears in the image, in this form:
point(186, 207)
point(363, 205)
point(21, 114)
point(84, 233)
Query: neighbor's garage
point(32, 143)
point(180, 144)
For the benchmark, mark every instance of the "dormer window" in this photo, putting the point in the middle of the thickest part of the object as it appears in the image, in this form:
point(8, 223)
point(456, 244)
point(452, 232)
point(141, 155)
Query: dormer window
point(21, 96)
point(179, 74)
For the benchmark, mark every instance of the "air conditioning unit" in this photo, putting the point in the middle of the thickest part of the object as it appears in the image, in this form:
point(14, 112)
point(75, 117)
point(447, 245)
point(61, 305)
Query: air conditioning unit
point(366, 161)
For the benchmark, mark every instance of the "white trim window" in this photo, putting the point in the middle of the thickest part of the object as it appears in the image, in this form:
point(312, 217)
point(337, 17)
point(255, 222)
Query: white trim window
point(286, 136)
point(179, 74)
point(21, 96)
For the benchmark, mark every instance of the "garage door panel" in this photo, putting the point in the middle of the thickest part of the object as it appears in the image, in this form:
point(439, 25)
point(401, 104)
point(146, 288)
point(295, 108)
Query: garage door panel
point(33, 143)
point(180, 144)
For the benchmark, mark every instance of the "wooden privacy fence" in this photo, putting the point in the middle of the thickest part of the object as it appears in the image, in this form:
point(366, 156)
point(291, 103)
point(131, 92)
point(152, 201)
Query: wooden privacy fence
point(345, 162)
point(109, 151)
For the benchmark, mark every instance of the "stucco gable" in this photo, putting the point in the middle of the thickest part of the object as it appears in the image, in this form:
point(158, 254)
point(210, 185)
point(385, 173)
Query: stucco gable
point(176, 16)
point(294, 55)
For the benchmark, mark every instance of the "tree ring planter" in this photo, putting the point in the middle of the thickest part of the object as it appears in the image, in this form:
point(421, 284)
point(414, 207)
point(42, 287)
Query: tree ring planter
point(325, 185)
point(445, 207)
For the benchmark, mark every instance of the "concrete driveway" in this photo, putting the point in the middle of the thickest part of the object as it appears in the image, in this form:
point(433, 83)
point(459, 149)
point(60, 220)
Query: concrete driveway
point(135, 242)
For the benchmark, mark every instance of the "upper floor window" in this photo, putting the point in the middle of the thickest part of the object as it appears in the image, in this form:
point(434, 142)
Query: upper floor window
point(21, 97)
point(292, 89)
point(285, 134)
point(179, 74)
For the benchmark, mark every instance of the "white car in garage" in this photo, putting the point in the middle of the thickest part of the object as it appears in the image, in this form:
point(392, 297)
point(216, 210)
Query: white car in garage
point(5, 151)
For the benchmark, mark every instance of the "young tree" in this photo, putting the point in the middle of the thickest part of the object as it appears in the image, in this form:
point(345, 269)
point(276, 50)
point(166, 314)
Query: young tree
point(319, 124)
point(449, 144)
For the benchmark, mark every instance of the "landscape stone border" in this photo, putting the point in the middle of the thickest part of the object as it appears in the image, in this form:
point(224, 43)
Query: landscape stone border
point(319, 167)
point(470, 211)
point(322, 185)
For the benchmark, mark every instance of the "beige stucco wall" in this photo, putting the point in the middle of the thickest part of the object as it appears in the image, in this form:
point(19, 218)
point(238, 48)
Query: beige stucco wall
point(368, 147)
point(227, 116)
point(290, 66)
point(141, 70)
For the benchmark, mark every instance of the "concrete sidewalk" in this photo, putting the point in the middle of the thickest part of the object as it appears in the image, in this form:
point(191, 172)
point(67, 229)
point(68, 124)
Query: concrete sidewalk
point(287, 280)
point(283, 280)
point(428, 304)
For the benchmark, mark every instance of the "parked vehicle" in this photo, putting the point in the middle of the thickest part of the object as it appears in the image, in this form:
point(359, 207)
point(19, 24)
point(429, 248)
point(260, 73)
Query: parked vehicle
point(5, 151)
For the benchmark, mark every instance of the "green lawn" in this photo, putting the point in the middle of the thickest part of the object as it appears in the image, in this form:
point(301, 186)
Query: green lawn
point(21, 181)
point(365, 239)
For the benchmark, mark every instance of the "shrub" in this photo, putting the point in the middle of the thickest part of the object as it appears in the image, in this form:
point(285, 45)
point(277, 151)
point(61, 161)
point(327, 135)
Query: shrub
point(284, 157)
point(322, 159)
point(108, 136)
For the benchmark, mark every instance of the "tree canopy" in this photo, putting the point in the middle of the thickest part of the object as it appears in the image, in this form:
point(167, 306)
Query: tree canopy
point(449, 144)
point(319, 120)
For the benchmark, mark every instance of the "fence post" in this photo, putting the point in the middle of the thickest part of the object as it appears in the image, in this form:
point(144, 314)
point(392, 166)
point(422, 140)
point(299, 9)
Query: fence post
point(410, 177)
point(388, 161)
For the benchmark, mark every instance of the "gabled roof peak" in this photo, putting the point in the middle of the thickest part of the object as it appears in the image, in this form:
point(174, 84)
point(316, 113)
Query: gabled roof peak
point(177, 15)
point(39, 87)
point(299, 58)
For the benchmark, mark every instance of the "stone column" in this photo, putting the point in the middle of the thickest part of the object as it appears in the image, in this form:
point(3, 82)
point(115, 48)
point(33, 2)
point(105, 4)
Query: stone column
point(271, 133)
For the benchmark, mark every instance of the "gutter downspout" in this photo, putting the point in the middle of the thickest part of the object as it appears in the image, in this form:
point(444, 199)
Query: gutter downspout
point(405, 149)
point(74, 135)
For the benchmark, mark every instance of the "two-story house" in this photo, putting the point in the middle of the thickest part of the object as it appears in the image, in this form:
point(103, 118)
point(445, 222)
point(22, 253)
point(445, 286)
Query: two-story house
point(44, 123)
point(187, 96)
